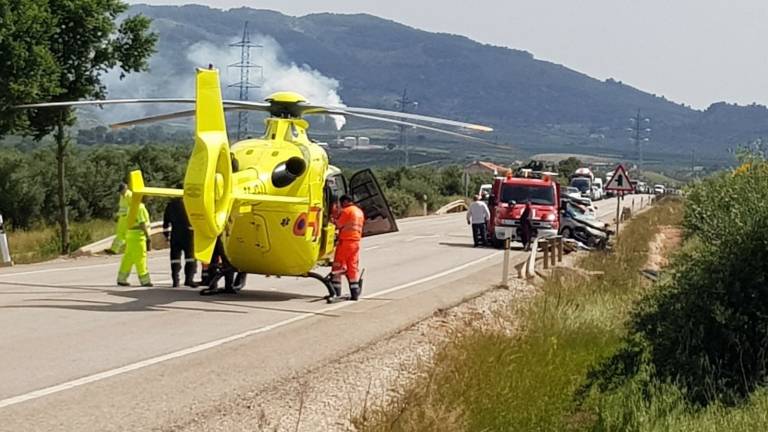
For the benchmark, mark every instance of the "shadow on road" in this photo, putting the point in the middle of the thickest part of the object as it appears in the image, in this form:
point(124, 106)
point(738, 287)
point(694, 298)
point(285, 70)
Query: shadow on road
point(159, 300)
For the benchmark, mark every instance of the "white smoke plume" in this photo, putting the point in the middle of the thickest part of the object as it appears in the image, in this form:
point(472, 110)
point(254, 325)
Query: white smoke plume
point(277, 76)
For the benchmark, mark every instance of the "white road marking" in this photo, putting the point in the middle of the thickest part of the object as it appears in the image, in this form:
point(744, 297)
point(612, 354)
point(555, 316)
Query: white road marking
point(51, 270)
point(371, 248)
point(414, 238)
point(213, 344)
point(56, 269)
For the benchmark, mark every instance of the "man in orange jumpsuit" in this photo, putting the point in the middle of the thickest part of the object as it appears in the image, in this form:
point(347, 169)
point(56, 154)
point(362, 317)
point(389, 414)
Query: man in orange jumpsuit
point(346, 261)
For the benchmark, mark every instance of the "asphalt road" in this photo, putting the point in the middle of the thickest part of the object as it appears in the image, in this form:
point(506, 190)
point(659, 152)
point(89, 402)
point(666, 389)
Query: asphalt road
point(79, 353)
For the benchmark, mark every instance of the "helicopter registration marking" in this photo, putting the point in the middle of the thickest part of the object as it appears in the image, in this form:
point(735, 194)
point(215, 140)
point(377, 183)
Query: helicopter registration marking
point(308, 220)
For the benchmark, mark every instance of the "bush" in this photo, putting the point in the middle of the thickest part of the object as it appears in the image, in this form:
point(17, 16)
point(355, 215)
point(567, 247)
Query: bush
point(705, 328)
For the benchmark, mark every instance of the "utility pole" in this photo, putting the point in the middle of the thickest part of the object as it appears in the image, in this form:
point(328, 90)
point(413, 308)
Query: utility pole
point(641, 134)
point(402, 105)
point(246, 66)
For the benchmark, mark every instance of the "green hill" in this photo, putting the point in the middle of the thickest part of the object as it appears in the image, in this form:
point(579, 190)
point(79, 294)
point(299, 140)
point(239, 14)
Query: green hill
point(535, 105)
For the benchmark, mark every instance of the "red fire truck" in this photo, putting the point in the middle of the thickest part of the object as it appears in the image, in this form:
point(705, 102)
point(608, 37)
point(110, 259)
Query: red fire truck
point(507, 202)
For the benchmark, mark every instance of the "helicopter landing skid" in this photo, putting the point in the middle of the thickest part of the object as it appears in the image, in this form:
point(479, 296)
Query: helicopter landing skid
point(334, 296)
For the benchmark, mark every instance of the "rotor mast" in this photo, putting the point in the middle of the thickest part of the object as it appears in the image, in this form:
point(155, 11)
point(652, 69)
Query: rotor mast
point(246, 66)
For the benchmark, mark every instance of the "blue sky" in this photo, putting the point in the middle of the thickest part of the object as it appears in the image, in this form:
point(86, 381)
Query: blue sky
point(691, 51)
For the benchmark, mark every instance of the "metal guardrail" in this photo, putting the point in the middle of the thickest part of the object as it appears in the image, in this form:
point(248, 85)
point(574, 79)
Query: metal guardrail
point(455, 205)
point(553, 249)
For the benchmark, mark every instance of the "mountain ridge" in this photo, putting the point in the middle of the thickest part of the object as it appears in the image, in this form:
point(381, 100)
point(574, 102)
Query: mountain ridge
point(538, 103)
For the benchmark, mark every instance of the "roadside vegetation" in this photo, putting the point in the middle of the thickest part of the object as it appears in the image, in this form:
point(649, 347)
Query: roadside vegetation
point(614, 353)
point(492, 381)
point(29, 190)
point(42, 244)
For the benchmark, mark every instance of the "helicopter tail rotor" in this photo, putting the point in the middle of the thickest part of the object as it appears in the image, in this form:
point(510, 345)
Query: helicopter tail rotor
point(208, 181)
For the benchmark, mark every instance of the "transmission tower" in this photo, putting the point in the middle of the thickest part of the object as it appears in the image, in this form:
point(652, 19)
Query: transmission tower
point(402, 104)
point(245, 84)
point(641, 134)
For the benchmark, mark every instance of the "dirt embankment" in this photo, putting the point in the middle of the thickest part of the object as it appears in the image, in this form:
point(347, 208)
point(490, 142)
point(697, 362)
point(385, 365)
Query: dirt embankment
point(667, 240)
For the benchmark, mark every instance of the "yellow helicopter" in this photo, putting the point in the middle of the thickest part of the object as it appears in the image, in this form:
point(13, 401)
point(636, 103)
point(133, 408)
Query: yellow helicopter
point(273, 214)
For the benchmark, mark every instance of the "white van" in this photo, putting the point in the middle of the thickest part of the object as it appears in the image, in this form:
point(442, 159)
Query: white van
point(598, 185)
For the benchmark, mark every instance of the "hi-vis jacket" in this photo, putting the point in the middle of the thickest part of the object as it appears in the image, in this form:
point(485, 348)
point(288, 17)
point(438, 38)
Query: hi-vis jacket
point(350, 223)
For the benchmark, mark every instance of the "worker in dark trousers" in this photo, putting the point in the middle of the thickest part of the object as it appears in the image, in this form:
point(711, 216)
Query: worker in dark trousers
point(221, 268)
point(526, 227)
point(177, 231)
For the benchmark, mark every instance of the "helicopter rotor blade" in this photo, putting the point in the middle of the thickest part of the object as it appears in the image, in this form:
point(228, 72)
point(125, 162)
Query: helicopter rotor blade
point(162, 117)
point(418, 126)
point(107, 102)
point(410, 116)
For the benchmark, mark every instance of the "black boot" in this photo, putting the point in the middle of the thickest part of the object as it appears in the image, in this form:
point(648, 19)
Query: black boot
point(355, 289)
point(190, 268)
point(336, 297)
point(175, 268)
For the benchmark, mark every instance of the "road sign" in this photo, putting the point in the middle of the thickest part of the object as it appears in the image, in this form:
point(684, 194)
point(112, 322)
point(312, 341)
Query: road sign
point(620, 181)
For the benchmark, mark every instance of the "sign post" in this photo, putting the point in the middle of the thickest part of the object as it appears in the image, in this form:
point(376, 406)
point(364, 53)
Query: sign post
point(5, 253)
point(621, 184)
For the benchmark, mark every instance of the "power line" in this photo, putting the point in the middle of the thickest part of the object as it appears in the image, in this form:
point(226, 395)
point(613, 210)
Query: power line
point(246, 66)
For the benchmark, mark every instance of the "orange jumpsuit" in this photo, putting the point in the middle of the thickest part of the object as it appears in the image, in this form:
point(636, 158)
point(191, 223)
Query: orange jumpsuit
point(349, 226)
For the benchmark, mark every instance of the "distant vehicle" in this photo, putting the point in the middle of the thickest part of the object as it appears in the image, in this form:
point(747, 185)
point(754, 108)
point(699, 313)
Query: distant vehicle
point(570, 190)
point(583, 184)
point(598, 184)
point(508, 199)
point(642, 188)
point(659, 189)
point(583, 179)
point(485, 191)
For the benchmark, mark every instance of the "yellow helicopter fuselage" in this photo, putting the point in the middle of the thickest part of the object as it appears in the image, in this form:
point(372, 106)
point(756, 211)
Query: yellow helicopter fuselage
point(276, 238)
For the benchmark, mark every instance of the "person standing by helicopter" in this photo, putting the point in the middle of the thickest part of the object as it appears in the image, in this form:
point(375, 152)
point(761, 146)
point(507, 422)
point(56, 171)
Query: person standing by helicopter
point(177, 231)
point(346, 261)
point(122, 215)
point(137, 243)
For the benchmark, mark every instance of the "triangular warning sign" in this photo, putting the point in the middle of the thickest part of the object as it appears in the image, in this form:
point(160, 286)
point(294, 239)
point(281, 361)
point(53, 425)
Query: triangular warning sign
point(620, 181)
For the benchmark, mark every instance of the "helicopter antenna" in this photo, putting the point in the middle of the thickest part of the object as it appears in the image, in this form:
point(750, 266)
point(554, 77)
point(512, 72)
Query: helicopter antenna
point(245, 84)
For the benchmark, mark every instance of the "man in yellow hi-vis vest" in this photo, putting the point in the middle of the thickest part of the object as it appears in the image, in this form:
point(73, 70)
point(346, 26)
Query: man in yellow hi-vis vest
point(137, 243)
point(122, 216)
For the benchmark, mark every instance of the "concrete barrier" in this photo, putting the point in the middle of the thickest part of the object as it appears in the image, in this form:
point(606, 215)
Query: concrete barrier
point(97, 248)
point(5, 252)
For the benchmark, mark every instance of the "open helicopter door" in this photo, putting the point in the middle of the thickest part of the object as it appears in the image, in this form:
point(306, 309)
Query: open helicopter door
point(366, 192)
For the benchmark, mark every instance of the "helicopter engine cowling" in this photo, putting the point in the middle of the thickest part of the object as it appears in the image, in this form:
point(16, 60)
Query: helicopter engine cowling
point(287, 172)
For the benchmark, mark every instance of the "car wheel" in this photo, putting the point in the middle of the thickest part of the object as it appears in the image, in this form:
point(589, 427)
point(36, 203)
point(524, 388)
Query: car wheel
point(566, 233)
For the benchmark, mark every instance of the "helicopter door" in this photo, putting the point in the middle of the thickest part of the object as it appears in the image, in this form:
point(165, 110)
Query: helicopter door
point(366, 192)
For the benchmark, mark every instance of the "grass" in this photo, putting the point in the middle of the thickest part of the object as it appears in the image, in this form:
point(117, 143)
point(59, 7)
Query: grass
point(486, 381)
point(42, 244)
point(653, 178)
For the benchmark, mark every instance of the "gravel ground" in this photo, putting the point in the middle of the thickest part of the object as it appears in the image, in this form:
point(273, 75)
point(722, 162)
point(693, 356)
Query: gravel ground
point(324, 399)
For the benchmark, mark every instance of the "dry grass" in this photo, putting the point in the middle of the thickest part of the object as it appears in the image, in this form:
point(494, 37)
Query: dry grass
point(486, 381)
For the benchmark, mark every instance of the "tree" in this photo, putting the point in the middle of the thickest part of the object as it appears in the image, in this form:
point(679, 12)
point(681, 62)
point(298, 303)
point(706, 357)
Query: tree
point(567, 167)
point(85, 43)
point(26, 64)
